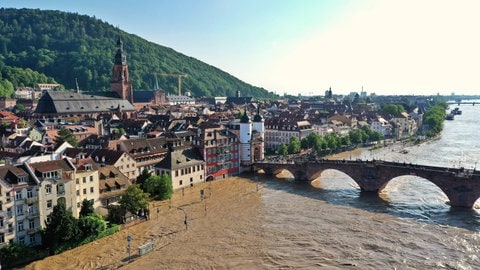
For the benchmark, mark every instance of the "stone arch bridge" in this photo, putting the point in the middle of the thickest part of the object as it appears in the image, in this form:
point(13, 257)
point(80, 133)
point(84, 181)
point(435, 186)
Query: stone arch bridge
point(461, 186)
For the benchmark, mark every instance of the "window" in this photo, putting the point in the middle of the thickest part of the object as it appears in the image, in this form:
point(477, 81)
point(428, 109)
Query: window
point(31, 224)
point(19, 210)
point(31, 209)
point(29, 193)
point(49, 204)
point(32, 239)
point(77, 181)
point(91, 178)
point(18, 195)
point(191, 179)
point(84, 179)
point(48, 189)
point(180, 182)
point(78, 192)
point(21, 240)
point(91, 190)
point(84, 191)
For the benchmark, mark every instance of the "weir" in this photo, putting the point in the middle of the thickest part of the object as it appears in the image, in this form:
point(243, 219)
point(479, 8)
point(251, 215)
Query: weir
point(461, 186)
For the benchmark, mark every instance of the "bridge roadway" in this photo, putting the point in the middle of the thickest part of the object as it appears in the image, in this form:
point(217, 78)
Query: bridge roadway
point(461, 186)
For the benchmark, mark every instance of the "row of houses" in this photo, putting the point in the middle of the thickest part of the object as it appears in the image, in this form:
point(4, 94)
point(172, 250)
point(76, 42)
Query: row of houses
point(36, 177)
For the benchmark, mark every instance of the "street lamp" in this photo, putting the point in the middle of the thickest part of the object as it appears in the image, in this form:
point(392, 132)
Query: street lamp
point(185, 221)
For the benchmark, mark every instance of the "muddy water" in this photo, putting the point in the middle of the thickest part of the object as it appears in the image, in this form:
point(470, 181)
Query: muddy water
point(276, 223)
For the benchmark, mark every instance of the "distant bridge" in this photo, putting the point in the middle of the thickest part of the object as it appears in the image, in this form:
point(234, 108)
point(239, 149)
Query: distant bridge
point(462, 102)
point(461, 186)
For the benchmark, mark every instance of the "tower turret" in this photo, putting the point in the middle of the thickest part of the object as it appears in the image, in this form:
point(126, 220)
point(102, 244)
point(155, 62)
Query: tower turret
point(245, 139)
point(259, 144)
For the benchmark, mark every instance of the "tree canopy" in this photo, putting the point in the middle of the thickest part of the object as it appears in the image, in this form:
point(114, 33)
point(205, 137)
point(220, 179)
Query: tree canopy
point(69, 46)
point(434, 118)
point(87, 208)
point(63, 227)
point(160, 187)
point(134, 199)
point(65, 135)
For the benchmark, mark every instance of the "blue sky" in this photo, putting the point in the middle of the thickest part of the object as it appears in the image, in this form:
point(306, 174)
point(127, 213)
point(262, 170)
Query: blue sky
point(306, 46)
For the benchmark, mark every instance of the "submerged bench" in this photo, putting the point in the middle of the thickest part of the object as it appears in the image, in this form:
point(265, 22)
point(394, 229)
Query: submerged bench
point(146, 248)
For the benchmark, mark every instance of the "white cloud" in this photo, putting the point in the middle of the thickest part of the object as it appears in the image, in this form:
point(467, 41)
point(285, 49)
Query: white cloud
point(390, 47)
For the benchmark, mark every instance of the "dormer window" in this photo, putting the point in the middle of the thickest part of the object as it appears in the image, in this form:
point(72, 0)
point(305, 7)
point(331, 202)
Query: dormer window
point(88, 167)
point(52, 174)
point(23, 179)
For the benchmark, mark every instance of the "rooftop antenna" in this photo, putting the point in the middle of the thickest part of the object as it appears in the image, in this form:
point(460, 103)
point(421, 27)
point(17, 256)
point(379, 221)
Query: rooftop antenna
point(76, 83)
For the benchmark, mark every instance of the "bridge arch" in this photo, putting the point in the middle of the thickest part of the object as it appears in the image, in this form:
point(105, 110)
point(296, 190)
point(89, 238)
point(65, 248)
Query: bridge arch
point(323, 177)
point(410, 189)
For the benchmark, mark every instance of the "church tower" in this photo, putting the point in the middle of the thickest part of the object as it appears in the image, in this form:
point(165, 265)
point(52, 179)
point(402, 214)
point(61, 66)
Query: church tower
point(121, 83)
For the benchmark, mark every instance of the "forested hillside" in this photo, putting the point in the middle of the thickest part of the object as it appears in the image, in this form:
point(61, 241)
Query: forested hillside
point(67, 46)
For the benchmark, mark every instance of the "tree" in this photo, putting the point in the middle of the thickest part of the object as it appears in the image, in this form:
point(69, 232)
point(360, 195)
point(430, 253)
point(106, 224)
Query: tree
point(282, 149)
point(294, 146)
point(63, 227)
point(356, 136)
point(6, 88)
point(142, 178)
point(87, 208)
point(134, 199)
point(65, 135)
point(92, 224)
point(376, 136)
point(434, 118)
point(19, 108)
point(309, 141)
point(392, 109)
point(160, 187)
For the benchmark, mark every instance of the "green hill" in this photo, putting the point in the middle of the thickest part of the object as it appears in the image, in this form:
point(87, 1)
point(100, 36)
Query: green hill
point(67, 46)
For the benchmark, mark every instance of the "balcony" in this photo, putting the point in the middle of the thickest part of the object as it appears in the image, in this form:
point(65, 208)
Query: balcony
point(32, 215)
point(20, 217)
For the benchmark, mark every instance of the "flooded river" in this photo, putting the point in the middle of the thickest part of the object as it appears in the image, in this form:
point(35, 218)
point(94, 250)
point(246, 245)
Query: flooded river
point(277, 223)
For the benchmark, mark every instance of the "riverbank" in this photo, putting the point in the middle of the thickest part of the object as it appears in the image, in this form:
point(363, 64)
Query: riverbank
point(385, 152)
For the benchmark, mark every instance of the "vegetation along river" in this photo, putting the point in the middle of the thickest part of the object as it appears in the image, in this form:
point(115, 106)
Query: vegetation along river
point(326, 224)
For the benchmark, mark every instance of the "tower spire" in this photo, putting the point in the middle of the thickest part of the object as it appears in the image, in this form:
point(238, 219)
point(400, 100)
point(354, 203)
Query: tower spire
point(121, 83)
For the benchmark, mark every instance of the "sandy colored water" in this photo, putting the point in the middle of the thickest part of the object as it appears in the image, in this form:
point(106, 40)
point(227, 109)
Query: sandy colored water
point(226, 227)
